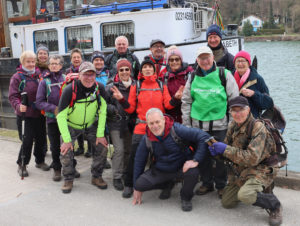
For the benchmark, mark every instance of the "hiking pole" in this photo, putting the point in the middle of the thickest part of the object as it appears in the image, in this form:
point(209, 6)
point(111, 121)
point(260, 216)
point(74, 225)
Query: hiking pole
point(24, 101)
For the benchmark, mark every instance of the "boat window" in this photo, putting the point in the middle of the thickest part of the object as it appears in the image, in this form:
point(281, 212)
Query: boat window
point(46, 6)
point(110, 31)
point(47, 38)
point(79, 37)
point(17, 8)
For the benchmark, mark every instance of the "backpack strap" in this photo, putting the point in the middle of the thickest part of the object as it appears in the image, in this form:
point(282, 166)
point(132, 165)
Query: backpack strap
point(48, 86)
point(166, 78)
point(250, 129)
point(222, 77)
point(74, 93)
point(192, 77)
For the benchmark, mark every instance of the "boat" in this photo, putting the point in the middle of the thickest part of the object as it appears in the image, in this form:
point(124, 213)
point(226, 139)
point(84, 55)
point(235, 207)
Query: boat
point(92, 27)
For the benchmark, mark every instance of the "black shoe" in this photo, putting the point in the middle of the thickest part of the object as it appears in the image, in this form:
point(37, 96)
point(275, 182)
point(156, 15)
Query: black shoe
point(79, 151)
point(107, 165)
point(186, 205)
point(76, 174)
point(43, 166)
point(166, 192)
point(22, 171)
point(88, 154)
point(127, 193)
point(118, 184)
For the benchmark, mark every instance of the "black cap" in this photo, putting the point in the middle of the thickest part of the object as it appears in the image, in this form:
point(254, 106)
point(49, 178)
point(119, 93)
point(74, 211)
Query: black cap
point(154, 41)
point(97, 54)
point(147, 60)
point(238, 101)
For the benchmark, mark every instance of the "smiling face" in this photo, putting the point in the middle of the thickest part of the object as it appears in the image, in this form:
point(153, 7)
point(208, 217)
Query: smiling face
point(158, 50)
point(124, 73)
point(174, 62)
point(121, 45)
point(241, 65)
point(29, 63)
point(98, 63)
point(156, 123)
point(76, 59)
point(240, 114)
point(55, 65)
point(213, 41)
point(87, 78)
point(42, 56)
point(205, 61)
point(147, 70)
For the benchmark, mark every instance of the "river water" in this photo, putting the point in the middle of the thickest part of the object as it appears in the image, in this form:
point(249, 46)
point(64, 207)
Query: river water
point(279, 64)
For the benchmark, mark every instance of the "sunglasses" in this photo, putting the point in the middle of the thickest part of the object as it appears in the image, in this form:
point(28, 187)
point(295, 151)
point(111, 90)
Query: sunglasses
point(174, 59)
point(124, 69)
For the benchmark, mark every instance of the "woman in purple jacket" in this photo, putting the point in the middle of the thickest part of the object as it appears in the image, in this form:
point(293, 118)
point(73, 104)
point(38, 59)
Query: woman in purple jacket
point(26, 79)
point(47, 99)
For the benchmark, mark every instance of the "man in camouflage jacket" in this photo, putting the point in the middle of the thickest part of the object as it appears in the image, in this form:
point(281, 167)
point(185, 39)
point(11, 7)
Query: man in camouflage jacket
point(248, 175)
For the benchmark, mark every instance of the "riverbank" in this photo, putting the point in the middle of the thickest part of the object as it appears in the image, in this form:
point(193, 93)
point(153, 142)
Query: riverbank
point(268, 38)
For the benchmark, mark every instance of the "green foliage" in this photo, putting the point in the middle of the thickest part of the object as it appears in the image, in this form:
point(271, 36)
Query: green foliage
point(247, 28)
point(270, 31)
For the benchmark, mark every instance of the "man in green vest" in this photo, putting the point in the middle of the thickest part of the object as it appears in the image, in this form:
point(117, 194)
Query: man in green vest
point(204, 105)
point(82, 110)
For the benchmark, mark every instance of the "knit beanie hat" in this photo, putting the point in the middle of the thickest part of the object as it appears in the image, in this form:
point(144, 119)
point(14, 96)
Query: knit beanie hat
point(213, 30)
point(42, 47)
point(147, 60)
point(123, 62)
point(97, 54)
point(243, 54)
point(174, 52)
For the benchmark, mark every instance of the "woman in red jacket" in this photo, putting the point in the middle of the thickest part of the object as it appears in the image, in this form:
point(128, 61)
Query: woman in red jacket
point(147, 93)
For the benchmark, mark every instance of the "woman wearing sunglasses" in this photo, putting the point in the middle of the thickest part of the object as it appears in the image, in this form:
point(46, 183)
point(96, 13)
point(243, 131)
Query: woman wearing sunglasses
point(175, 76)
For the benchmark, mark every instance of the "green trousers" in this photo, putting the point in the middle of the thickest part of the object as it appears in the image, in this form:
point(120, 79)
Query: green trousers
point(246, 194)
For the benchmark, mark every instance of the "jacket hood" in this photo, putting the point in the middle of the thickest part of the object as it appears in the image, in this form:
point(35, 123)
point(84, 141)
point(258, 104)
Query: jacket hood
point(169, 121)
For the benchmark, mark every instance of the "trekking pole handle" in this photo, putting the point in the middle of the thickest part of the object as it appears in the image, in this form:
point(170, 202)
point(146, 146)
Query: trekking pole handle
point(24, 98)
point(210, 141)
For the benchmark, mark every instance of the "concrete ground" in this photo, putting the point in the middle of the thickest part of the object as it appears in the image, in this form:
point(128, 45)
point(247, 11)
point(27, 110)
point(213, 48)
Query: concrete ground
point(37, 200)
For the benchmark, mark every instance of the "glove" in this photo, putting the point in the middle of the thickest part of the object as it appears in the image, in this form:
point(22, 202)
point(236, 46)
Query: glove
point(217, 148)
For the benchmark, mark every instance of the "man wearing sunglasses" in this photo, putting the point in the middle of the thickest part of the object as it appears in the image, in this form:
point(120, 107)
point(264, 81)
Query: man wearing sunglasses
point(82, 110)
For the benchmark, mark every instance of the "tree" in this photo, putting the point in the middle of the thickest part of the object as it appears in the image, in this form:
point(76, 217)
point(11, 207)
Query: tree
point(271, 17)
point(247, 28)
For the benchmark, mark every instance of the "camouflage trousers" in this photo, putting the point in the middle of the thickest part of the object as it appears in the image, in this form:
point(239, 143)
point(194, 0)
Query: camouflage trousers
point(246, 194)
point(99, 154)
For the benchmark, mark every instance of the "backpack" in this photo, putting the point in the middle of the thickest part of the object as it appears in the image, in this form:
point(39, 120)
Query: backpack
point(139, 85)
point(278, 156)
point(166, 77)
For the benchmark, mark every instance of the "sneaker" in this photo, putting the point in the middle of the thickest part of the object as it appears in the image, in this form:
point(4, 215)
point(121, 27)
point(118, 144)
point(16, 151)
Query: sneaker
point(22, 171)
point(79, 151)
point(118, 185)
point(220, 193)
point(67, 187)
point(204, 190)
point(56, 175)
point(275, 216)
point(99, 182)
point(186, 206)
point(127, 193)
point(76, 174)
point(166, 192)
point(43, 166)
point(88, 154)
point(107, 165)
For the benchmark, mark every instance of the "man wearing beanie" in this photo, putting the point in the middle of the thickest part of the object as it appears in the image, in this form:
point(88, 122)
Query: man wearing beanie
point(221, 54)
point(102, 72)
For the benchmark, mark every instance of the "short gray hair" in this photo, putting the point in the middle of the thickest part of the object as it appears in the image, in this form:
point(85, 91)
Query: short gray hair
point(56, 57)
point(121, 37)
point(154, 110)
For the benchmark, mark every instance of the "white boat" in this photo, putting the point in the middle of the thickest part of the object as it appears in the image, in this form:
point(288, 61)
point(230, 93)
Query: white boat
point(184, 26)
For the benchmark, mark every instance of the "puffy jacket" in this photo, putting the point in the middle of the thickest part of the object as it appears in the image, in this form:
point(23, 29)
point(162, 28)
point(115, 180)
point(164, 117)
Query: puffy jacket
point(102, 76)
point(261, 99)
point(174, 80)
point(168, 155)
point(30, 85)
point(147, 99)
point(49, 104)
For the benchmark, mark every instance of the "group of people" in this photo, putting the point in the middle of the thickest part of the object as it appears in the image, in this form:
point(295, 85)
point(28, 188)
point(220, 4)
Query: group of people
point(160, 111)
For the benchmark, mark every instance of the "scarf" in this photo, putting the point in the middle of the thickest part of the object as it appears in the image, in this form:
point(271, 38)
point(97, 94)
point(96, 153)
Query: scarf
point(240, 80)
point(30, 72)
point(128, 83)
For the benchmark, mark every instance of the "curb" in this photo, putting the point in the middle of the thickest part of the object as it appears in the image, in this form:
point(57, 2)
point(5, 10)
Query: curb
point(291, 181)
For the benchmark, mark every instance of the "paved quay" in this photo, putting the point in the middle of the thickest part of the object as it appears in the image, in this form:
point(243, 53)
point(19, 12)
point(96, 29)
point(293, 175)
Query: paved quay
point(38, 201)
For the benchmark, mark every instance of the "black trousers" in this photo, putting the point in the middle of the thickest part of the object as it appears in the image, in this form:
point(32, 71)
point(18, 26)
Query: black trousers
point(54, 137)
point(209, 175)
point(128, 176)
point(156, 179)
point(33, 131)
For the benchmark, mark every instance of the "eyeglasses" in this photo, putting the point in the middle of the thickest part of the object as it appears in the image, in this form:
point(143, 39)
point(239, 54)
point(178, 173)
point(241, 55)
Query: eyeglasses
point(237, 110)
point(158, 46)
point(174, 59)
point(241, 61)
point(89, 74)
point(124, 69)
point(54, 64)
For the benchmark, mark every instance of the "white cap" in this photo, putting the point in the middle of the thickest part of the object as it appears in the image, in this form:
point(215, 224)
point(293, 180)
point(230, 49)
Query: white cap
point(204, 49)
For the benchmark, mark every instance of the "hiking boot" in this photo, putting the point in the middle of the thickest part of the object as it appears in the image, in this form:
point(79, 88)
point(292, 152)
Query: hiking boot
point(22, 171)
point(43, 166)
point(186, 205)
point(76, 174)
point(220, 193)
point(118, 185)
point(107, 165)
point(127, 193)
point(56, 175)
point(275, 216)
point(99, 182)
point(67, 187)
point(204, 190)
point(166, 192)
point(88, 154)
point(79, 151)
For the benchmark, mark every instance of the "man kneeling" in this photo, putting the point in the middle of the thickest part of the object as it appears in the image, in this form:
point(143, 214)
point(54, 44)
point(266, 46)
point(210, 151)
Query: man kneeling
point(249, 175)
point(167, 142)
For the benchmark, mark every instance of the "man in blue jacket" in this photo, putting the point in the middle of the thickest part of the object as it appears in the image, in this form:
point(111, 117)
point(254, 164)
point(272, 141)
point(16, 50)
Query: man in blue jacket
point(168, 142)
